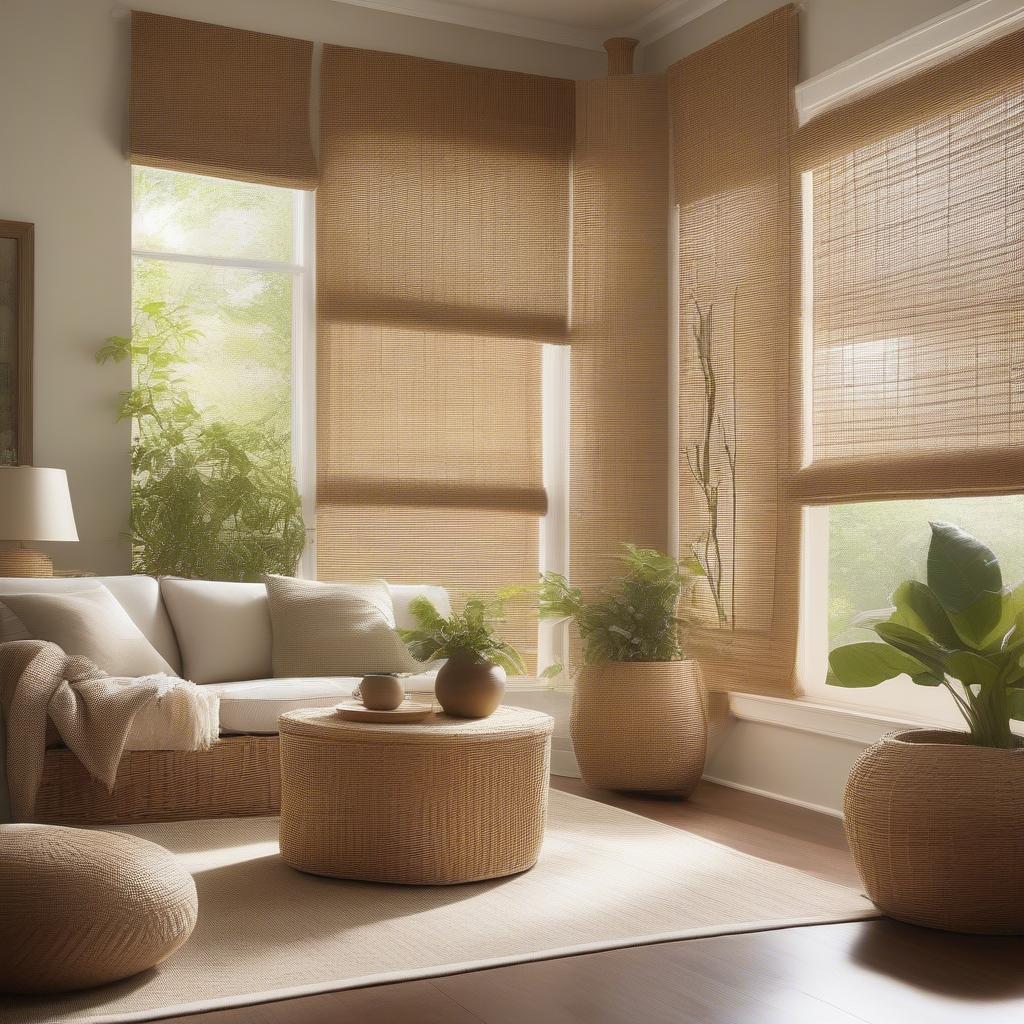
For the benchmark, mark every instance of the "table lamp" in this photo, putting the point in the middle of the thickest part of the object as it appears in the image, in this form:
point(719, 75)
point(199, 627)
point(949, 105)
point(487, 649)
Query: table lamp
point(35, 505)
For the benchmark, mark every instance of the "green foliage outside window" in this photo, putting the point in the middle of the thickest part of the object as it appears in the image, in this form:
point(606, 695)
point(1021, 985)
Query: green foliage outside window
point(212, 498)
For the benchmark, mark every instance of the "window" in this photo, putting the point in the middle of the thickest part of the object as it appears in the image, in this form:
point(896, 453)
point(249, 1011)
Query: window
point(221, 301)
point(867, 549)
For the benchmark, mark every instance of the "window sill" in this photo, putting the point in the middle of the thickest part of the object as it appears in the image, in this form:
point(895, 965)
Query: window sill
point(803, 715)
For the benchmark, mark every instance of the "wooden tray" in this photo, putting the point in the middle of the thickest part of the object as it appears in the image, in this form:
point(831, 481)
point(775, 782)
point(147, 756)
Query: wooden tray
point(408, 711)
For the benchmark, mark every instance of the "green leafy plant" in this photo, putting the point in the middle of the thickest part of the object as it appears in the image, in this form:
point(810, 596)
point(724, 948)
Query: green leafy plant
point(211, 499)
point(634, 619)
point(467, 635)
point(962, 630)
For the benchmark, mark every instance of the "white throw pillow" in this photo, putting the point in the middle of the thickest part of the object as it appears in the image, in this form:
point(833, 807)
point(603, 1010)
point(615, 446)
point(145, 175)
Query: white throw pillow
point(334, 629)
point(223, 628)
point(90, 623)
point(403, 594)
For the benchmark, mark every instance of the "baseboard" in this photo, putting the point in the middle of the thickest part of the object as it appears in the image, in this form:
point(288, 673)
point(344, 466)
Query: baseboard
point(781, 797)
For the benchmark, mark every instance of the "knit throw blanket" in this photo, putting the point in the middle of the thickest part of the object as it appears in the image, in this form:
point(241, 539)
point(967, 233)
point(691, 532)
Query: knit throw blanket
point(97, 716)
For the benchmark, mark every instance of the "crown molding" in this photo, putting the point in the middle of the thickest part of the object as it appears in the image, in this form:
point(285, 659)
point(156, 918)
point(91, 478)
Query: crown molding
point(965, 27)
point(667, 18)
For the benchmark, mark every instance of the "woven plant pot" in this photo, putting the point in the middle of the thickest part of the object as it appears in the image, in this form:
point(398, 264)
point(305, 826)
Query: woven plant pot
point(640, 725)
point(936, 827)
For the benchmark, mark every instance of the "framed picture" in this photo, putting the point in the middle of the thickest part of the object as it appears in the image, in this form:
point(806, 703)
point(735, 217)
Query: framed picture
point(17, 260)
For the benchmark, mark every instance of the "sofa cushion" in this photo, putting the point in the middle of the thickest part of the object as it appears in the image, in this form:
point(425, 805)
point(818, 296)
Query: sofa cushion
point(223, 629)
point(334, 629)
point(254, 706)
point(403, 594)
point(139, 596)
point(90, 623)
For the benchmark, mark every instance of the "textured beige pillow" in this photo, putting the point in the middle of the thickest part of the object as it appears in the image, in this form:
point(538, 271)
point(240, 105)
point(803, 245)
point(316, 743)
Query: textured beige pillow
point(334, 629)
point(90, 623)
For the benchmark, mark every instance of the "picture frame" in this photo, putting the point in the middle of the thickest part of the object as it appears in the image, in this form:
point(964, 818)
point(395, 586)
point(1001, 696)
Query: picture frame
point(17, 279)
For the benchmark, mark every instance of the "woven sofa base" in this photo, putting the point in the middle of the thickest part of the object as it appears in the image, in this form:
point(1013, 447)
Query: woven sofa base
point(238, 777)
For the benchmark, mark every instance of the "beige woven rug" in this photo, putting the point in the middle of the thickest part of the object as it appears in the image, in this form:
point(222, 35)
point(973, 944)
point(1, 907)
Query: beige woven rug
point(606, 878)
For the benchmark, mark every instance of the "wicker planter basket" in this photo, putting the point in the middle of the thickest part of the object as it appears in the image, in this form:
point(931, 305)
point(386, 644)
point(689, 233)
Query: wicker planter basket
point(640, 725)
point(937, 831)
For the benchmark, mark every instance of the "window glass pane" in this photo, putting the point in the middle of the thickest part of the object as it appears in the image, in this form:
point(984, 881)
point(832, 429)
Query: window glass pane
point(198, 216)
point(875, 546)
point(238, 365)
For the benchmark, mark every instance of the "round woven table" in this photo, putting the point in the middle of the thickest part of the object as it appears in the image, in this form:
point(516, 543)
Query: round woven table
point(442, 801)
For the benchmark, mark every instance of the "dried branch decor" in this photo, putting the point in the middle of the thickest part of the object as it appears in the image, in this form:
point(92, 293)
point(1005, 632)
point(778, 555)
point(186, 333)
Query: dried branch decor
point(705, 460)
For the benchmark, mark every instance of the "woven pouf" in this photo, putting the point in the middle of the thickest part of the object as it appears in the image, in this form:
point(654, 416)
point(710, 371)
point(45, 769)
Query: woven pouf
point(81, 908)
point(936, 828)
point(433, 803)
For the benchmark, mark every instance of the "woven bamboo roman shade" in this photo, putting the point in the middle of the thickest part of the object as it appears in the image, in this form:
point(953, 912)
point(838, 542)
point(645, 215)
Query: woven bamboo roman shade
point(219, 101)
point(731, 112)
point(442, 262)
point(619, 413)
point(917, 264)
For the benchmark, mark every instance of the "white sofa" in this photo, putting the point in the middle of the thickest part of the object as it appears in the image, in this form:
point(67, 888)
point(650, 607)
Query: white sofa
point(223, 640)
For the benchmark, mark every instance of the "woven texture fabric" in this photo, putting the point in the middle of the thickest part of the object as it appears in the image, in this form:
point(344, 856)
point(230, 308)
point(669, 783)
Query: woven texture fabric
point(731, 109)
point(79, 908)
point(471, 804)
point(640, 726)
point(917, 266)
point(619, 457)
point(219, 101)
point(442, 255)
point(935, 826)
point(605, 879)
point(334, 629)
point(237, 777)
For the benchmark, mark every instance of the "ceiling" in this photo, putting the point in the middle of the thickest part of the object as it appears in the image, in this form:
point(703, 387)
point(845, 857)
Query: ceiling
point(585, 23)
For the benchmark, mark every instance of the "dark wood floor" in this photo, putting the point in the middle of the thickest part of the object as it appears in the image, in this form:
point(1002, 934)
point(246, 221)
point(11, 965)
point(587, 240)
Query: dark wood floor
point(874, 972)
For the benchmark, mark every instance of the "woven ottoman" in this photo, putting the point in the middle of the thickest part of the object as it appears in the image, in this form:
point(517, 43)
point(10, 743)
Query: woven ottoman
point(81, 908)
point(443, 801)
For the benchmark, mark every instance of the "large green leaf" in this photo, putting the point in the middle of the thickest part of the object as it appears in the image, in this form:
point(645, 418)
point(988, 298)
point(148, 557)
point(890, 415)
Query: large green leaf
point(1016, 702)
point(972, 669)
point(960, 570)
point(917, 645)
point(868, 664)
point(920, 610)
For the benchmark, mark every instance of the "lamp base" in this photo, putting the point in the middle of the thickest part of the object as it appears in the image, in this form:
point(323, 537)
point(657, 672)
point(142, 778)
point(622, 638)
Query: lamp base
point(24, 562)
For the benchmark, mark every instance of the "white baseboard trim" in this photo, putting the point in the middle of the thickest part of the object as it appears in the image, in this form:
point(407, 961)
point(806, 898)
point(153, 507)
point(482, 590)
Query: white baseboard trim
point(563, 762)
point(730, 784)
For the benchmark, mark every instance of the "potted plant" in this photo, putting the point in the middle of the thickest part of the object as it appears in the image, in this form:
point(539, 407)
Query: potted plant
point(471, 682)
point(637, 719)
point(935, 818)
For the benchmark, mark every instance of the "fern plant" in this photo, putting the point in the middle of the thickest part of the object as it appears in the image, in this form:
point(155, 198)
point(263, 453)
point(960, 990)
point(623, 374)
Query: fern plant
point(636, 618)
point(211, 499)
point(468, 635)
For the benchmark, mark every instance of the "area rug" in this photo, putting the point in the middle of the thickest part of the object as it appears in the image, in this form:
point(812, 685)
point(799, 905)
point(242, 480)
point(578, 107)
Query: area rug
point(606, 879)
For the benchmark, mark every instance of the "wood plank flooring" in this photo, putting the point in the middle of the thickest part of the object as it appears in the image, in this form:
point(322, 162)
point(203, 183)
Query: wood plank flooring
point(874, 972)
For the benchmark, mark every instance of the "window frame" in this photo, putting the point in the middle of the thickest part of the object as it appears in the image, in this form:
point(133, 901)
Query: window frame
point(303, 347)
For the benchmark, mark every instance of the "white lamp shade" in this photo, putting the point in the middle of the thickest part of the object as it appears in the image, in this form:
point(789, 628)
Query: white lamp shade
point(35, 504)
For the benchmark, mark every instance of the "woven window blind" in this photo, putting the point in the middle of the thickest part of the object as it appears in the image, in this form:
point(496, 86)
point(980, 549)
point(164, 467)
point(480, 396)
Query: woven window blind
point(442, 255)
point(619, 409)
point(917, 265)
point(731, 114)
point(219, 101)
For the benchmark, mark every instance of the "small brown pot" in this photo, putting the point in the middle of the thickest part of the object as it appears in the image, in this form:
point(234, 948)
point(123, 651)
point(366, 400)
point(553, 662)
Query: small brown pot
point(640, 725)
point(380, 692)
point(936, 825)
point(469, 689)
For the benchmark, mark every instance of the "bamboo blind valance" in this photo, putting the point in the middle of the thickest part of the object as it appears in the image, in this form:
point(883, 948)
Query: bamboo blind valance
point(731, 110)
point(219, 101)
point(619, 458)
point(916, 300)
point(442, 259)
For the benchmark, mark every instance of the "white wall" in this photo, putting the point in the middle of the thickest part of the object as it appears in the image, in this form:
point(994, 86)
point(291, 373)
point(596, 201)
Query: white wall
point(63, 79)
point(831, 31)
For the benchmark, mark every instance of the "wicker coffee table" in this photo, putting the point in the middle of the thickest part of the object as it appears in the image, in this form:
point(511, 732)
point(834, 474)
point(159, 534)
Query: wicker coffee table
point(443, 801)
